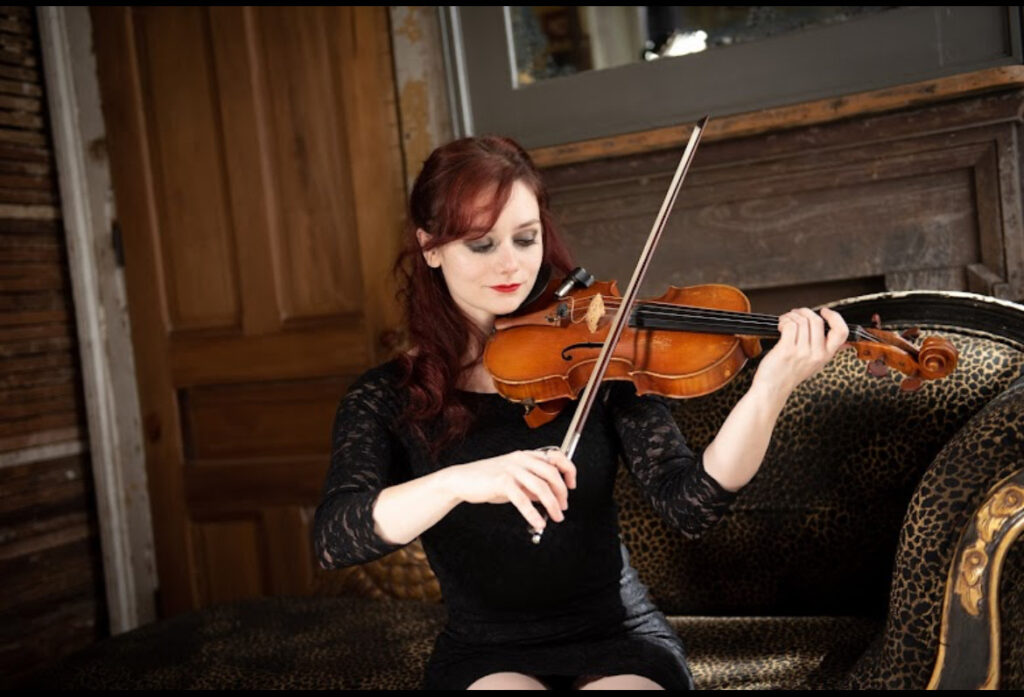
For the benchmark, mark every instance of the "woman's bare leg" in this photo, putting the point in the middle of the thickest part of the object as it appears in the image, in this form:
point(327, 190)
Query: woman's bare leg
point(507, 681)
point(620, 682)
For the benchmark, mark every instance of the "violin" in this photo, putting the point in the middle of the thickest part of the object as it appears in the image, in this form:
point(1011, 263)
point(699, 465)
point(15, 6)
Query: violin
point(545, 357)
point(687, 342)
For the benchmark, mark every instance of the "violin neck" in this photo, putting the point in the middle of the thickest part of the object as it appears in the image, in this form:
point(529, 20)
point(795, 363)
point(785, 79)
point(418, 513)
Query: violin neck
point(709, 321)
point(703, 321)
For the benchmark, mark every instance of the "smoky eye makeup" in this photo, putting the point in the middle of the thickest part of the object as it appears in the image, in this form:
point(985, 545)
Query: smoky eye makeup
point(482, 245)
point(528, 239)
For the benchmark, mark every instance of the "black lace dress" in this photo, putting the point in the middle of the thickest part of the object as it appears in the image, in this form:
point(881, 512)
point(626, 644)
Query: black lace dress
point(567, 607)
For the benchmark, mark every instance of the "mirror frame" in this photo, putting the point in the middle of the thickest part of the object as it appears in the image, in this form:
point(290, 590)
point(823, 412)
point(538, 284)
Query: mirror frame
point(899, 46)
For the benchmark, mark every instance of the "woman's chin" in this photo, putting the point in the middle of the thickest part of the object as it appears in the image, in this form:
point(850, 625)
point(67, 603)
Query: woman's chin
point(509, 305)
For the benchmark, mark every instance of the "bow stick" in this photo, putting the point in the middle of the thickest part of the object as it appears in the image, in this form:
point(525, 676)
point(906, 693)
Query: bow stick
point(579, 419)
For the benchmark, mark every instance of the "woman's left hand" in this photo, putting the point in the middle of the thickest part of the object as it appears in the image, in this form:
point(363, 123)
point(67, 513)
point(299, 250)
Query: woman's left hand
point(803, 349)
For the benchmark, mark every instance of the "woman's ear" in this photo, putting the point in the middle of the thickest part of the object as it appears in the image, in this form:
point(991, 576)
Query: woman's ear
point(431, 256)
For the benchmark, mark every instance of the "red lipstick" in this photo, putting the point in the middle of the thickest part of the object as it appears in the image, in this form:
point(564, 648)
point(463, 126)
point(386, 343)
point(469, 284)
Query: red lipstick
point(507, 289)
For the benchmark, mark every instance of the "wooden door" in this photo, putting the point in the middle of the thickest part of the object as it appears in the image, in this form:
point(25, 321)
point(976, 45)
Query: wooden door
point(259, 191)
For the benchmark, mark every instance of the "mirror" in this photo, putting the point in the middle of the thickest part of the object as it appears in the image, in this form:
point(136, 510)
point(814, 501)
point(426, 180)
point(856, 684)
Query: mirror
point(554, 41)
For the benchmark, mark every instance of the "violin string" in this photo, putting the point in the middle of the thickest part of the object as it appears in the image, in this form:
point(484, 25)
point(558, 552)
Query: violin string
point(695, 312)
point(615, 302)
point(702, 321)
point(732, 322)
point(653, 307)
point(692, 312)
point(751, 319)
point(769, 320)
point(742, 320)
point(702, 314)
point(670, 306)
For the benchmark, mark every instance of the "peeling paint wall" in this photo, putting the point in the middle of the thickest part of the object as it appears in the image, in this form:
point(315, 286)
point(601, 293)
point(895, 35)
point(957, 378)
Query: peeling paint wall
point(421, 84)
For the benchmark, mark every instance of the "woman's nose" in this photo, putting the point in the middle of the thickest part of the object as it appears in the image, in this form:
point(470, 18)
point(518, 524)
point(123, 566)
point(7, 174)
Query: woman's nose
point(507, 261)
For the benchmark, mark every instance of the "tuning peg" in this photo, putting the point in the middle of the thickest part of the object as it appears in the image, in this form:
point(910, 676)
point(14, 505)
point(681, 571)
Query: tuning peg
point(911, 384)
point(876, 321)
point(878, 368)
point(911, 333)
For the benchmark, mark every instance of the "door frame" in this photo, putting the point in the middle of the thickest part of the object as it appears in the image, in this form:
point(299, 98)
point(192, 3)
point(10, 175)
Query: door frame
point(116, 449)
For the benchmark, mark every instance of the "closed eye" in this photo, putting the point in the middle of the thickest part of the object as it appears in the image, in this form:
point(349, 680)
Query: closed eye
point(484, 246)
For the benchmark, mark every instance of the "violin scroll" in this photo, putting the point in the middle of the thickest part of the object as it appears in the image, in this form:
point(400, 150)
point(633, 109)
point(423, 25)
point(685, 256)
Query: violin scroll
point(936, 358)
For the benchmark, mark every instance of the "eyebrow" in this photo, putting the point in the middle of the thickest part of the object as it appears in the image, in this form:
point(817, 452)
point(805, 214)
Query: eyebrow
point(535, 221)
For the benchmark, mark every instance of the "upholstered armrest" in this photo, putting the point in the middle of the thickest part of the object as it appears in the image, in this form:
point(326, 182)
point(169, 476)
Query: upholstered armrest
point(964, 515)
point(969, 640)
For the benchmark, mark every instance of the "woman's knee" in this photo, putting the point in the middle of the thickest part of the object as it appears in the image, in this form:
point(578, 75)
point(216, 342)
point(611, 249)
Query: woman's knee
point(620, 682)
point(507, 681)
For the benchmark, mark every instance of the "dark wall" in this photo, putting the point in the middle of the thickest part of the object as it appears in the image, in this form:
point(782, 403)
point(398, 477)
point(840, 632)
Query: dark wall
point(922, 198)
point(50, 562)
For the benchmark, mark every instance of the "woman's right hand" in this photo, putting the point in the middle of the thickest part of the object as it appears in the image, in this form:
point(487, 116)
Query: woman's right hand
point(519, 478)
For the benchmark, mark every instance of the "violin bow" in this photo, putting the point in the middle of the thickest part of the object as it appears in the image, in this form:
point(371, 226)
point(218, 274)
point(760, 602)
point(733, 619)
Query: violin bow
point(579, 419)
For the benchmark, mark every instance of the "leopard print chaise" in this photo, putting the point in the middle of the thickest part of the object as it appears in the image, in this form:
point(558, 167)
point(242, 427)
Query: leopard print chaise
point(794, 588)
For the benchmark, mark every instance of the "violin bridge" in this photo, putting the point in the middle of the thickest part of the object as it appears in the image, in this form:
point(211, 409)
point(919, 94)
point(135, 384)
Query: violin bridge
point(595, 313)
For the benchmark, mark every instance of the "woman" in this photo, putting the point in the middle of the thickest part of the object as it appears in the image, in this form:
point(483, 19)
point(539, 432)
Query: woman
point(418, 437)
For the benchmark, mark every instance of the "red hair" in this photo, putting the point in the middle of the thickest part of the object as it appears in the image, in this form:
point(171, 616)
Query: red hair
point(442, 204)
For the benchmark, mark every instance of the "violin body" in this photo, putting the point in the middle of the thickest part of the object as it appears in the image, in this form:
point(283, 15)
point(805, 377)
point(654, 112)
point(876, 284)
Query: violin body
point(548, 352)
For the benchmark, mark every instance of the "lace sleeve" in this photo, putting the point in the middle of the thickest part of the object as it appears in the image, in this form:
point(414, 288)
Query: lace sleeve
point(362, 452)
point(673, 478)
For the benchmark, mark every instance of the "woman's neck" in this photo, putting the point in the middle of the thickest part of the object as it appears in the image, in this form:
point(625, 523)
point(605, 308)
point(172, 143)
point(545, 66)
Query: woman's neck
point(475, 378)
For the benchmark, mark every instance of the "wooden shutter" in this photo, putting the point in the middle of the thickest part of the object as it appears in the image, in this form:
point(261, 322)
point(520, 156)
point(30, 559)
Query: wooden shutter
point(52, 601)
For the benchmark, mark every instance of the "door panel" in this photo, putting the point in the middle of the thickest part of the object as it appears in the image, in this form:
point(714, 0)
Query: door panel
point(183, 132)
point(259, 187)
point(311, 172)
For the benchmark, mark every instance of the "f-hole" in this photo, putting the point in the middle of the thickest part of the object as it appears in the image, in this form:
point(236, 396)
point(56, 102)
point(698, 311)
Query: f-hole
point(585, 344)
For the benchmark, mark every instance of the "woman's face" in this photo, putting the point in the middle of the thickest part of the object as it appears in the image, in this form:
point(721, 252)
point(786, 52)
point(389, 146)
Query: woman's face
point(492, 275)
